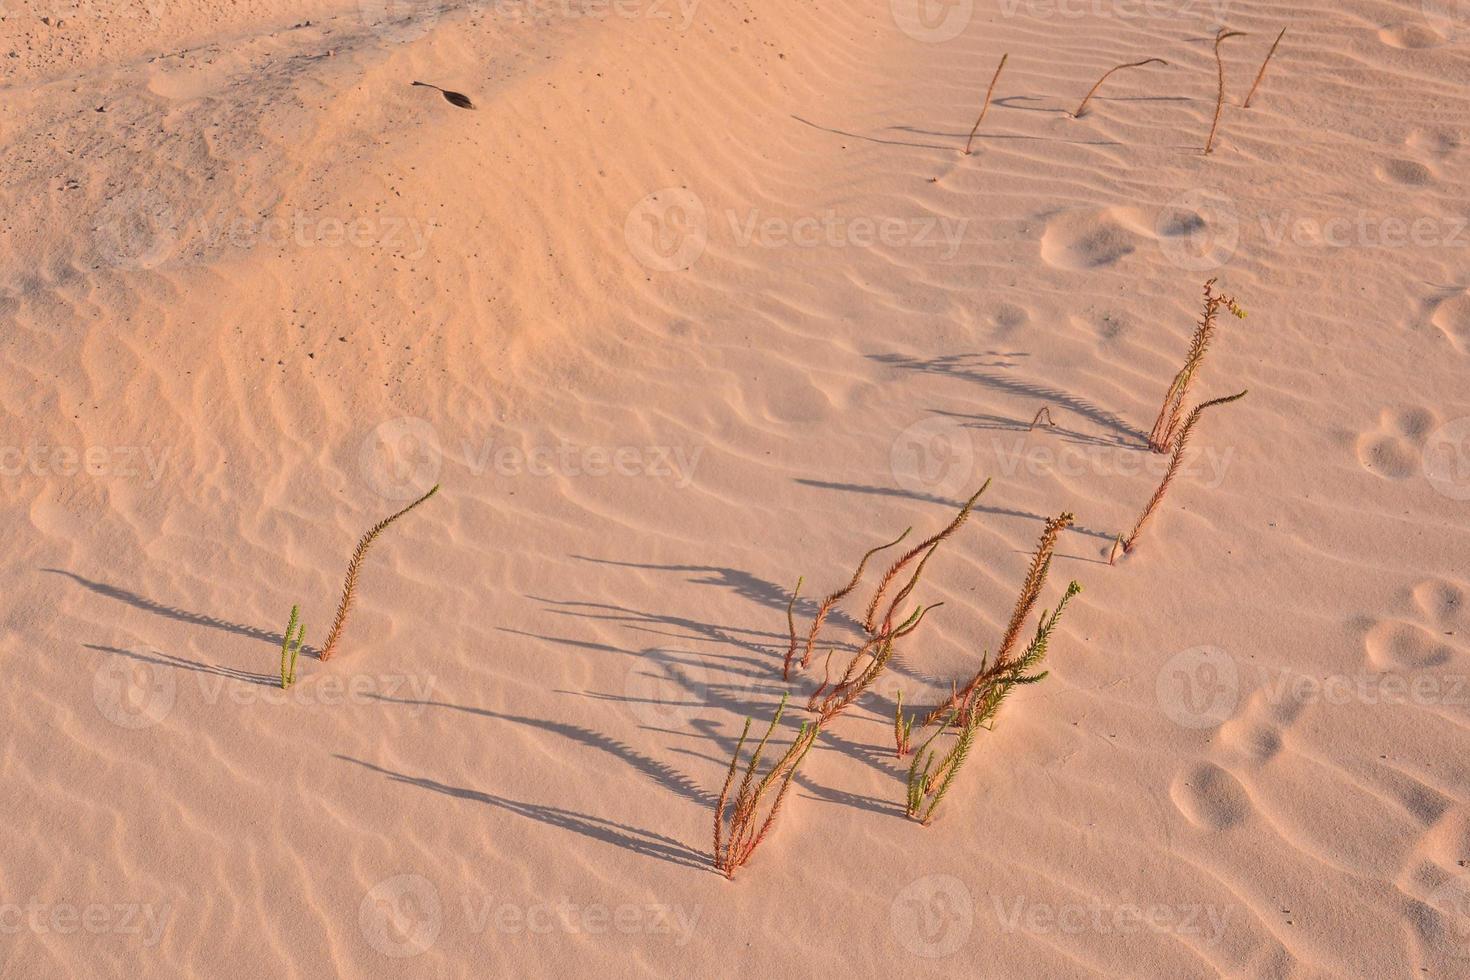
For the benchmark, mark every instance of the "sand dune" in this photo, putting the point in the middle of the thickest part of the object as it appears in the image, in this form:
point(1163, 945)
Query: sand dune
point(701, 298)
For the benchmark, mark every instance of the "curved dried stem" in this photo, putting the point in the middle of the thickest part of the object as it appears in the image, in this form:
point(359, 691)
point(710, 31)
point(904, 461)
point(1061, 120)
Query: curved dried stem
point(354, 567)
point(1082, 107)
point(869, 619)
point(1262, 73)
point(1127, 543)
point(836, 597)
point(986, 107)
point(1221, 35)
point(791, 628)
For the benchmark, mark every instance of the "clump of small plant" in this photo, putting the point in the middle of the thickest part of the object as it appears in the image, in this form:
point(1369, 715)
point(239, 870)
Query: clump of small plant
point(1262, 73)
point(882, 632)
point(986, 107)
point(739, 826)
point(738, 835)
point(1166, 426)
point(1125, 544)
point(291, 648)
point(965, 698)
point(1082, 107)
point(354, 567)
point(928, 782)
point(1220, 36)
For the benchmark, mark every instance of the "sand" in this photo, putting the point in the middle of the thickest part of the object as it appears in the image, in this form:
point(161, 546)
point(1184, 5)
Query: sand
point(701, 298)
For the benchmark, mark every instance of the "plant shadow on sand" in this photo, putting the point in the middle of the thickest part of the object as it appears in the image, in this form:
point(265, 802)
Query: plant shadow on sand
point(978, 368)
point(160, 659)
point(935, 499)
point(173, 612)
point(642, 842)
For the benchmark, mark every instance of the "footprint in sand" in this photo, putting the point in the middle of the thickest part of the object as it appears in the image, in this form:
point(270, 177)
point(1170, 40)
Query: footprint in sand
point(1210, 797)
point(1433, 143)
point(1452, 317)
point(1442, 603)
point(1392, 450)
point(1396, 644)
point(1405, 173)
point(1087, 240)
point(1410, 36)
point(1009, 318)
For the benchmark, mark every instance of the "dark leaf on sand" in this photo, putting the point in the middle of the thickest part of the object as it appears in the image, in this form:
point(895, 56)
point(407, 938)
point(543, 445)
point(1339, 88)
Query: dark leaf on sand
point(453, 98)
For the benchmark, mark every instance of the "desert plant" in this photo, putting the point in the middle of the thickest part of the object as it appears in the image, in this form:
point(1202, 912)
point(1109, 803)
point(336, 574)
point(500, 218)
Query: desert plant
point(349, 586)
point(1082, 107)
point(1221, 35)
point(873, 656)
point(1126, 544)
point(930, 782)
point(291, 648)
point(986, 107)
point(1167, 424)
point(826, 607)
point(1044, 412)
point(734, 846)
point(903, 728)
point(869, 621)
point(1262, 73)
point(1031, 587)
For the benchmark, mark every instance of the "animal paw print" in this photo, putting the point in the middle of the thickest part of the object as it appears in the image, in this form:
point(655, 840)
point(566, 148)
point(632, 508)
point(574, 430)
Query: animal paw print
point(1392, 450)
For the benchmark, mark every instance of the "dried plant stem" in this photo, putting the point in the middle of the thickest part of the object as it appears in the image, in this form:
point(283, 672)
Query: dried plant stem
point(1082, 107)
point(1126, 543)
point(1167, 423)
point(1220, 35)
point(869, 620)
point(834, 599)
point(986, 107)
point(1043, 412)
point(349, 586)
point(1262, 73)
